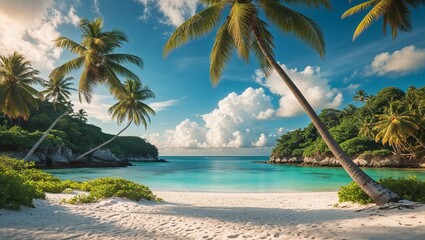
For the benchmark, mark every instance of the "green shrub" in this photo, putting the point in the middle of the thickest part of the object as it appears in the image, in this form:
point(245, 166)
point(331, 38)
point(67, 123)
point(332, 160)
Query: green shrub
point(117, 187)
point(409, 188)
point(80, 199)
point(380, 152)
point(15, 192)
point(358, 145)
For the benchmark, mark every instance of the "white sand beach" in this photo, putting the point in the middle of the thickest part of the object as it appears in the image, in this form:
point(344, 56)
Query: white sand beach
point(192, 215)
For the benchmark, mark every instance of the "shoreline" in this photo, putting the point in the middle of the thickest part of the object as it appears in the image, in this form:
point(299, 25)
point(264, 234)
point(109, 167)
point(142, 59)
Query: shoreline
point(206, 215)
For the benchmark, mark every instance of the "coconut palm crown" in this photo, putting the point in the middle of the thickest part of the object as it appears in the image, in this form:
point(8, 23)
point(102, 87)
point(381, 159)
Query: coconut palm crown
point(16, 92)
point(97, 58)
point(58, 89)
point(240, 30)
point(394, 13)
point(131, 105)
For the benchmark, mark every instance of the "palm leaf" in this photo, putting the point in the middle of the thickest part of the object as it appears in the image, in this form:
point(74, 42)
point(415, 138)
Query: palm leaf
point(241, 16)
point(288, 20)
point(196, 26)
point(220, 53)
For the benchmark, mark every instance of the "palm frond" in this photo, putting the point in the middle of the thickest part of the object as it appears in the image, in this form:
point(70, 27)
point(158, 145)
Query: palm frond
point(371, 16)
point(196, 26)
point(220, 53)
point(358, 8)
point(64, 42)
point(125, 58)
point(241, 17)
point(288, 20)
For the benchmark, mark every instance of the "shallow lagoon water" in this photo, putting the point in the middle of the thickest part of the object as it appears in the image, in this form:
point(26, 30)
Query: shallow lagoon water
point(231, 174)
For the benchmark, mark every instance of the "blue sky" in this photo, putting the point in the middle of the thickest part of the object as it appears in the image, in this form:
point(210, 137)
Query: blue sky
point(245, 113)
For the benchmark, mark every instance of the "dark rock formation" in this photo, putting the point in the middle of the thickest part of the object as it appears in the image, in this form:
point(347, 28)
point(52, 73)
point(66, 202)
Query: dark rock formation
point(63, 157)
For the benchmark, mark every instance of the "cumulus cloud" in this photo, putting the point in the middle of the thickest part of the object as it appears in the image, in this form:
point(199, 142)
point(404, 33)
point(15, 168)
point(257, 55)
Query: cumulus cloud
point(174, 12)
point(401, 62)
point(29, 27)
point(235, 123)
point(313, 86)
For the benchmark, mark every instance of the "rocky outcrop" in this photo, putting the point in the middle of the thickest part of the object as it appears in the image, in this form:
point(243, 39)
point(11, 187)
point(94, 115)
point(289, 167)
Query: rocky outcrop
point(63, 157)
point(149, 158)
point(392, 161)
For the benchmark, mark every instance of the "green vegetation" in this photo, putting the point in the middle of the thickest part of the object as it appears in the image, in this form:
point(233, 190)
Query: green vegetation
point(112, 187)
point(409, 188)
point(69, 131)
point(130, 106)
point(21, 184)
point(390, 122)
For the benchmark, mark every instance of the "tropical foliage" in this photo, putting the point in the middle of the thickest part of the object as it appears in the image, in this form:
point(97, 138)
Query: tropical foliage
point(130, 107)
point(394, 13)
point(21, 184)
point(16, 92)
point(409, 188)
point(96, 57)
point(80, 115)
point(58, 90)
point(383, 122)
point(71, 132)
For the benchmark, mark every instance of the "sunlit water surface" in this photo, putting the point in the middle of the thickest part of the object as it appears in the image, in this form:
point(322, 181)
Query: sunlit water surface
point(230, 174)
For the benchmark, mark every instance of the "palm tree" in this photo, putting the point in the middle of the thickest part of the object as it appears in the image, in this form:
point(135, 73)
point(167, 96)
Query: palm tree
point(395, 13)
point(81, 115)
point(244, 31)
point(57, 90)
point(130, 106)
point(16, 93)
point(361, 96)
point(395, 126)
point(97, 58)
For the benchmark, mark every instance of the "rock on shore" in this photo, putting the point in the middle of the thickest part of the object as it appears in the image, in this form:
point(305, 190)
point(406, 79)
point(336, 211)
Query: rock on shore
point(392, 161)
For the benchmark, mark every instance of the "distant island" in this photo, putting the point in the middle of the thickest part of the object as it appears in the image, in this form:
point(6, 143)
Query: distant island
point(387, 131)
point(70, 137)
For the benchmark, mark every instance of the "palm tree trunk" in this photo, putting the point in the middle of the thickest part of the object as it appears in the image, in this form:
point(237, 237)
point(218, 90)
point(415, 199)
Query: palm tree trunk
point(419, 141)
point(103, 144)
point(45, 134)
point(373, 189)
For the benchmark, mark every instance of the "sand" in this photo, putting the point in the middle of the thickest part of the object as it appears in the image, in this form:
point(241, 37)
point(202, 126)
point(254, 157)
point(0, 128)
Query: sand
point(191, 215)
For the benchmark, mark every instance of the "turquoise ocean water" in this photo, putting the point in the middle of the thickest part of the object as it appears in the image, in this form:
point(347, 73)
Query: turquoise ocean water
point(230, 174)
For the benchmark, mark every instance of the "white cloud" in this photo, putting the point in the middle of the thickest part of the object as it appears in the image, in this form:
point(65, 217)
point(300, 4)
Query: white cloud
point(234, 124)
point(161, 106)
point(96, 7)
point(97, 109)
point(401, 62)
point(174, 12)
point(29, 27)
point(73, 18)
point(312, 85)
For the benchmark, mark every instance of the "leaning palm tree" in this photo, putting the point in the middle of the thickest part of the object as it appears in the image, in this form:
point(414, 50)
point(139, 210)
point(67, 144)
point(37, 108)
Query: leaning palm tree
point(58, 91)
point(394, 13)
point(244, 31)
point(97, 58)
point(395, 127)
point(130, 106)
point(16, 93)
point(81, 115)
